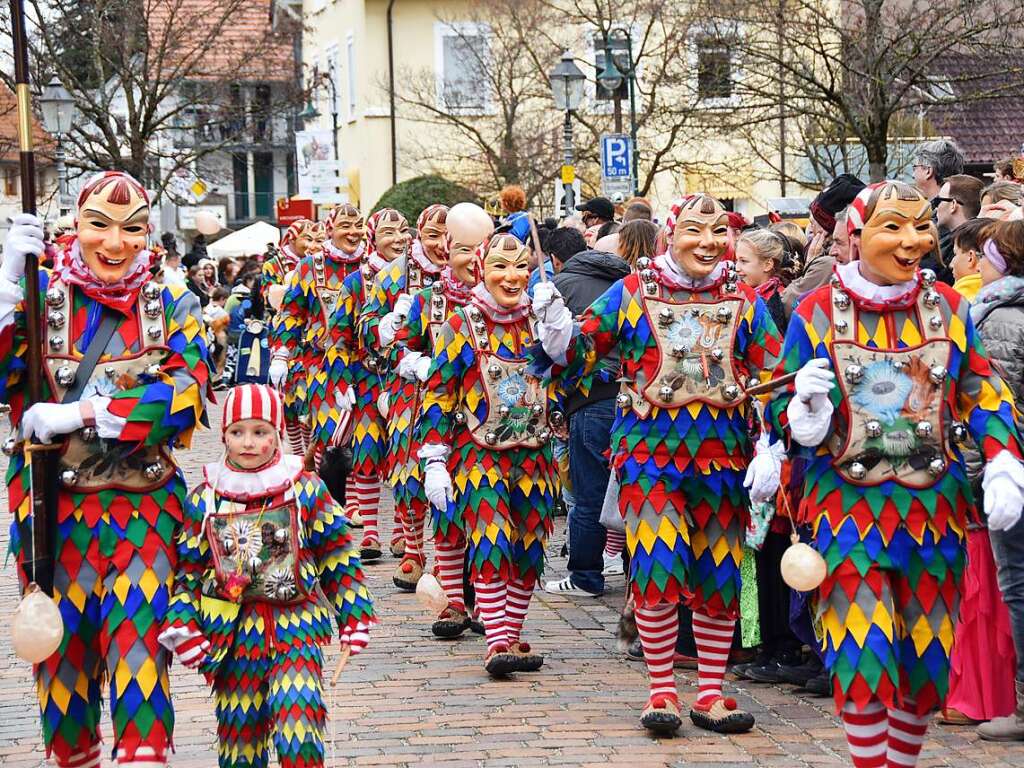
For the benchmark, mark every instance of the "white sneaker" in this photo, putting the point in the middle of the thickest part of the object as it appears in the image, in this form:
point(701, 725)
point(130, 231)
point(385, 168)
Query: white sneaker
point(566, 587)
point(612, 565)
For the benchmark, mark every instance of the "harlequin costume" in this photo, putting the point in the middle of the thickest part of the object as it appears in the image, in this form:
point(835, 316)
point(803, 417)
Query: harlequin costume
point(289, 341)
point(265, 563)
point(484, 432)
point(120, 494)
point(886, 490)
point(382, 319)
point(680, 442)
point(363, 373)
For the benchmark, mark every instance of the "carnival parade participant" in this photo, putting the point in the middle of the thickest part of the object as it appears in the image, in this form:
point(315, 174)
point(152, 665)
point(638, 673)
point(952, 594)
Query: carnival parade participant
point(486, 447)
point(265, 563)
point(891, 379)
point(387, 237)
point(384, 315)
point(469, 227)
point(278, 262)
point(689, 339)
point(126, 375)
point(300, 328)
point(290, 354)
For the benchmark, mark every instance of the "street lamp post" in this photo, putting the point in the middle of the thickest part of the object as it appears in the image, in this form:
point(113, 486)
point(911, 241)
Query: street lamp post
point(567, 91)
point(610, 79)
point(58, 108)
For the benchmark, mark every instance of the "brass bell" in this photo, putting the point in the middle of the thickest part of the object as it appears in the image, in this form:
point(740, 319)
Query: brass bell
point(480, 327)
point(923, 429)
point(665, 317)
point(537, 409)
point(437, 300)
point(644, 262)
point(666, 393)
point(474, 314)
point(842, 300)
point(153, 369)
point(647, 275)
point(623, 400)
point(491, 438)
point(959, 431)
point(931, 299)
point(504, 410)
point(153, 308)
point(65, 376)
point(935, 322)
point(873, 428)
point(834, 281)
point(928, 277)
point(695, 312)
point(753, 381)
point(54, 297)
point(55, 319)
point(56, 342)
point(9, 446)
point(937, 374)
point(494, 371)
point(255, 563)
point(281, 535)
point(69, 477)
point(557, 418)
point(730, 393)
point(858, 471)
point(717, 354)
point(153, 471)
point(729, 287)
point(545, 435)
point(151, 291)
point(854, 373)
point(155, 332)
point(459, 417)
point(88, 434)
point(842, 326)
point(110, 371)
point(723, 315)
point(936, 467)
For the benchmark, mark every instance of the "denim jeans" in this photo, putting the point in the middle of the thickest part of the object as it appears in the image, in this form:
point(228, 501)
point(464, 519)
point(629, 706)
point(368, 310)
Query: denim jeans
point(1008, 550)
point(590, 435)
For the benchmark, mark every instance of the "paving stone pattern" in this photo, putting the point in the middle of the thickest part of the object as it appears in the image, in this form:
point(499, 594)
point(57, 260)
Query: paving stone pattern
point(411, 700)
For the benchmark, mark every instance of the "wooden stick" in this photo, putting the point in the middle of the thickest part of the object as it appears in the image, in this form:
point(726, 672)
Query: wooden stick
point(346, 651)
point(770, 385)
point(543, 277)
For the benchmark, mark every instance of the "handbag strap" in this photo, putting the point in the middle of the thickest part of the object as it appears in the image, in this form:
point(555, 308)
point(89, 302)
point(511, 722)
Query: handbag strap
point(109, 320)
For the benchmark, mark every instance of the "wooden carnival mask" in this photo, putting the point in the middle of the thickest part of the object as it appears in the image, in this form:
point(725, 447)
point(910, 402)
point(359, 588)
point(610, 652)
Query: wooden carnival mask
point(700, 237)
point(891, 230)
point(112, 224)
point(433, 230)
point(468, 226)
point(506, 270)
point(392, 235)
point(347, 228)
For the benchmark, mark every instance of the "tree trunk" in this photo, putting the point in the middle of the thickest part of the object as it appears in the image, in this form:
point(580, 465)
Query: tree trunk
point(878, 155)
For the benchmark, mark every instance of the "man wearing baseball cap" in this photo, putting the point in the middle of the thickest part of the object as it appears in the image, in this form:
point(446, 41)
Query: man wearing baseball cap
point(597, 211)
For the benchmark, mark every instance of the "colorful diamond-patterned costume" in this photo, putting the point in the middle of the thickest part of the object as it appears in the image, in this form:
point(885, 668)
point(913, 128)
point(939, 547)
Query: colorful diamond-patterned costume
point(266, 624)
point(886, 492)
point(118, 511)
point(276, 267)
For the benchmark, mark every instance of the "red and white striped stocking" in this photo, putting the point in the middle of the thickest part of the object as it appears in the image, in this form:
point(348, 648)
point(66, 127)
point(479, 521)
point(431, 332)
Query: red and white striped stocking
point(450, 558)
point(519, 594)
point(491, 598)
point(365, 491)
point(294, 431)
point(865, 733)
point(397, 528)
point(614, 543)
point(307, 433)
point(906, 735)
point(714, 640)
point(659, 629)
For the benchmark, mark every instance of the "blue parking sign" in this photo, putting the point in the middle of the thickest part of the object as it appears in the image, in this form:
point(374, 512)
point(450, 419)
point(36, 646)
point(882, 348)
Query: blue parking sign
point(616, 156)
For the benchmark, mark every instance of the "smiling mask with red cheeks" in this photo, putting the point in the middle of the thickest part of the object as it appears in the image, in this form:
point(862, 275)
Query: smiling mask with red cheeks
point(347, 228)
point(432, 229)
point(896, 233)
point(506, 270)
point(392, 235)
point(113, 226)
point(701, 236)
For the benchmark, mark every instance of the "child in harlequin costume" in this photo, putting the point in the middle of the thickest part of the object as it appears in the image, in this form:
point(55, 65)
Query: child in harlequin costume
point(387, 237)
point(282, 260)
point(689, 339)
point(289, 347)
point(120, 499)
point(265, 563)
point(486, 447)
point(384, 316)
point(892, 377)
point(306, 311)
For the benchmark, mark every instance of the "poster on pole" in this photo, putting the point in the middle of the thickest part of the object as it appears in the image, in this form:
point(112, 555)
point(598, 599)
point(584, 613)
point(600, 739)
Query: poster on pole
point(318, 172)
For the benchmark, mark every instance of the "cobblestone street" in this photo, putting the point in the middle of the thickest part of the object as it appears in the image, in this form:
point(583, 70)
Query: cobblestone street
point(411, 700)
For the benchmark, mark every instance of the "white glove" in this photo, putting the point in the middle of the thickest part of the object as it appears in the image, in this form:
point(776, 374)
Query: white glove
point(402, 305)
point(278, 372)
point(545, 297)
point(388, 328)
point(423, 369)
point(347, 401)
point(24, 237)
point(438, 484)
point(764, 470)
point(808, 427)
point(383, 403)
point(190, 646)
point(44, 420)
point(1003, 486)
point(407, 365)
point(814, 381)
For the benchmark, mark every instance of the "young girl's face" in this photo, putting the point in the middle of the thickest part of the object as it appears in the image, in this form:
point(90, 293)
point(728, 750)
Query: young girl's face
point(250, 443)
point(752, 269)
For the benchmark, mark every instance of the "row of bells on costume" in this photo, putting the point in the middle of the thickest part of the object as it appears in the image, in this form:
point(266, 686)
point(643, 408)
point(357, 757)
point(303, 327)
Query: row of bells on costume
point(65, 375)
point(650, 280)
point(556, 418)
point(277, 585)
point(841, 300)
point(69, 476)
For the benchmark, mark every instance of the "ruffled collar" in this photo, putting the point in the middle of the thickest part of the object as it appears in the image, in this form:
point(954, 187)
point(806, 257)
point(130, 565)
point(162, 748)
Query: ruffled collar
point(122, 295)
point(422, 260)
point(482, 298)
point(672, 275)
point(875, 297)
point(455, 289)
point(288, 257)
point(373, 263)
point(339, 256)
point(235, 484)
